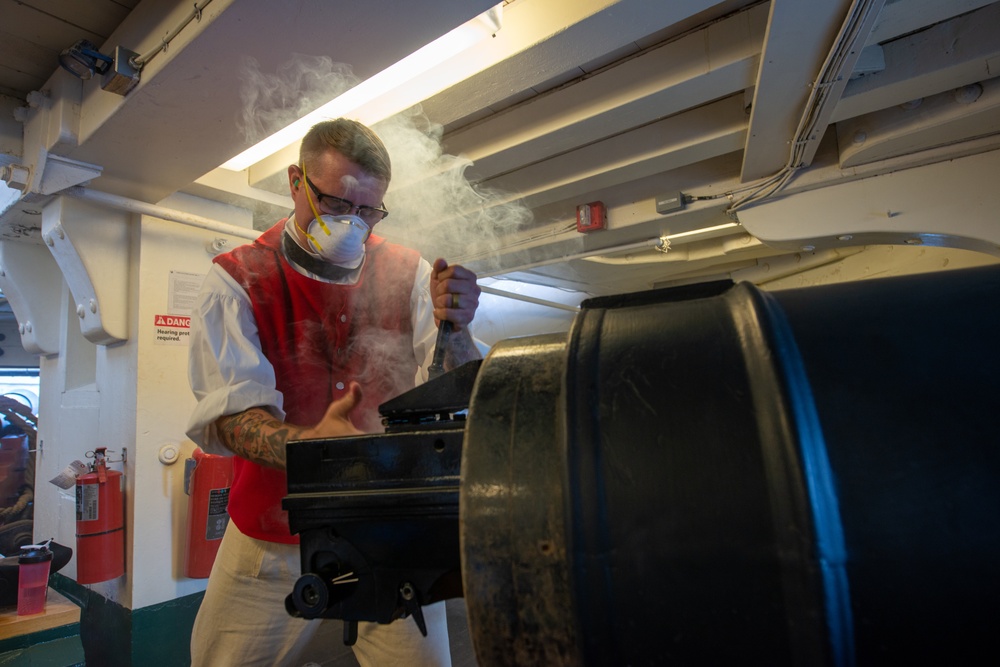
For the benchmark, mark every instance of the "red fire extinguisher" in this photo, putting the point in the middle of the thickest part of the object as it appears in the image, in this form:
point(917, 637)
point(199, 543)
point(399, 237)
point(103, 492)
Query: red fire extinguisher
point(100, 523)
point(207, 481)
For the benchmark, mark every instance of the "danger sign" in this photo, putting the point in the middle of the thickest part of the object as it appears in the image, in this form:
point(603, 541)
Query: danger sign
point(173, 321)
point(172, 329)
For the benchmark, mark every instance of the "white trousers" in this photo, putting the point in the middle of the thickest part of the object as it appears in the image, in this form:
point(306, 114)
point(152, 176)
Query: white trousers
point(242, 620)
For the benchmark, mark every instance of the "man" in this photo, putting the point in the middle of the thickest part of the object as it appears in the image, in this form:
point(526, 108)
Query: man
point(303, 334)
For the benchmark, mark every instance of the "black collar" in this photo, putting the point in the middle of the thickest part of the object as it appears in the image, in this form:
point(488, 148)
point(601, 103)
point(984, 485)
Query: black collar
point(313, 265)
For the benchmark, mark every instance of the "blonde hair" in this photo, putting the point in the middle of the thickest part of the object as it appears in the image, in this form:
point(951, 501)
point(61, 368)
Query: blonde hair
point(357, 142)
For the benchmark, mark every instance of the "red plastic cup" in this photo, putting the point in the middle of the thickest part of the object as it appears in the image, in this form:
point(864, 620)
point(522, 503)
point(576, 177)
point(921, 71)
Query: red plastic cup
point(33, 579)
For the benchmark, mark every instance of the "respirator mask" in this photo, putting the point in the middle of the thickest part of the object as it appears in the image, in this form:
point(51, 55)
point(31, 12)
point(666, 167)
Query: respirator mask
point(337, 239)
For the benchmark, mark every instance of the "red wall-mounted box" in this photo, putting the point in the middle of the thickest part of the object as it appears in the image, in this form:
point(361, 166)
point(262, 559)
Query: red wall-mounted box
point(590, 216)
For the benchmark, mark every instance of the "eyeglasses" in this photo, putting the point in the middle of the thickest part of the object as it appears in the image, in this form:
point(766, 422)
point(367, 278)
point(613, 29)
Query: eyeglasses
point(338, 206)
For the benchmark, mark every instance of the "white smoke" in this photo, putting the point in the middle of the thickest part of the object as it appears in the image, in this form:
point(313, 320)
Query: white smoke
point(440, 212)
point(433, 207)
point(272, 101)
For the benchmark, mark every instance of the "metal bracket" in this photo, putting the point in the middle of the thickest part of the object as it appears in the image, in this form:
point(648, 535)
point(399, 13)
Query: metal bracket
point(91, 246)
point(61, 173)
point(31, 281)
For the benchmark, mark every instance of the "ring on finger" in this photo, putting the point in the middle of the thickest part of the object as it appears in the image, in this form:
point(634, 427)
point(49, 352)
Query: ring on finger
point(454, 301)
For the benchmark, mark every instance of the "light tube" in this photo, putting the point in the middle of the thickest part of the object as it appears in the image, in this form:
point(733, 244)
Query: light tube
point(373, 100)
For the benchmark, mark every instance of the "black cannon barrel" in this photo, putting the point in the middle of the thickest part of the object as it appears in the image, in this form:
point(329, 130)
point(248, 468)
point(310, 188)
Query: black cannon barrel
point(719, 475)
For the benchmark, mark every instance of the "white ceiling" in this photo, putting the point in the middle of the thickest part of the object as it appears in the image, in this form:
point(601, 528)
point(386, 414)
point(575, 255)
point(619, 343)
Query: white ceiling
point(621, 102)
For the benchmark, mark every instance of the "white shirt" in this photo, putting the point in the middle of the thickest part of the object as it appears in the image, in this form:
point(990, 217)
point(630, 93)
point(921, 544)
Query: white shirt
point(227, 367)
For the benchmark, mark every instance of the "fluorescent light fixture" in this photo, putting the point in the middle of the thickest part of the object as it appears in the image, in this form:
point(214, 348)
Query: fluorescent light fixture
point(661, 244)
point(384, 94)
point(703, 230)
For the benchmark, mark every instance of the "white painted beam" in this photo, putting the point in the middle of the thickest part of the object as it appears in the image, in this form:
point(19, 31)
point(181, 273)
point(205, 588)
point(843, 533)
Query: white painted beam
point(950, 204)
point(693, 136)
point(182, 120)
point(694, 262)
point(840, 64)
point(236, 184)
point(708, 65)
point(632, 229)
point(940, 120)
point(799, 36)
point(432, 212)
point(541, 41)
point(961, 51)
point(906, 16)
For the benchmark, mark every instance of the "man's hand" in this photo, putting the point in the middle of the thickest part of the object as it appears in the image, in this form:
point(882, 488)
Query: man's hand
point(337, 420)
point(257, 436)
point(455, 293)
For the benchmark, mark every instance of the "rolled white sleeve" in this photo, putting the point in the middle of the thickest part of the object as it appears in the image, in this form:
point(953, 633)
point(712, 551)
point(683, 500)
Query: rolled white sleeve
point(227, 370)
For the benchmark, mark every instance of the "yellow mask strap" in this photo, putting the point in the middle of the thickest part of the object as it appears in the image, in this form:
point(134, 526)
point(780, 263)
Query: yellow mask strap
point(312, 205)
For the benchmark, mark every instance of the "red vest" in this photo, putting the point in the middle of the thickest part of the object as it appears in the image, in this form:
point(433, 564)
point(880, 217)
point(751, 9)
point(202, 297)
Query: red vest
point(319, 337)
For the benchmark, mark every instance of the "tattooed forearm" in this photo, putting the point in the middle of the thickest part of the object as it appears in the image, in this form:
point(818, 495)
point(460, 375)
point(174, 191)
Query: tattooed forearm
point(461, 349)
point(257, 436)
